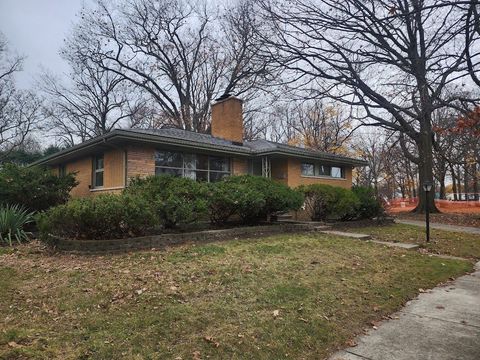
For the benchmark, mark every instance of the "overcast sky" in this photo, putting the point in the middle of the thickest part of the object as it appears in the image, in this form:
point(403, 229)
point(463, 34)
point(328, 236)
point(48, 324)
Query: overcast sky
point(36, 29)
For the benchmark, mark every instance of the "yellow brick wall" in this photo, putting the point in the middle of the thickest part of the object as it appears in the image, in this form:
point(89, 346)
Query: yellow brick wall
point(227, 119)
point(113, 176)
point(295, 178)
point(83, 170)
point(140, 161)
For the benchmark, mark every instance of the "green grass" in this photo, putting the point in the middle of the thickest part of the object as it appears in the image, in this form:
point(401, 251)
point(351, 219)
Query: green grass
point(170, 304)
point(5, 250)
point(441, 242)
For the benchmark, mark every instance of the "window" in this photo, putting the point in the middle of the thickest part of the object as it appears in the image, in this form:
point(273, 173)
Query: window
point(324, 170)
point(62, 170)
point(98, 171)
point(308, 169)
point(337, 172)
point(194, 166)
point(316, 169)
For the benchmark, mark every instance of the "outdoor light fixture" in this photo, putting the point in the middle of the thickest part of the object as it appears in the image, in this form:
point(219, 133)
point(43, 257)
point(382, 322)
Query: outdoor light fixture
point(427, 187)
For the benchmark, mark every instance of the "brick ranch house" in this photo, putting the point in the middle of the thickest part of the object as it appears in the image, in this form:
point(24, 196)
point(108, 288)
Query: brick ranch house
point(107, 162)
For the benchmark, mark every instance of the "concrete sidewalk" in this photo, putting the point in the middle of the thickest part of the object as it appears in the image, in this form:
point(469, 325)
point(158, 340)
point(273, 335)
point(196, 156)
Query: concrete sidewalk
point(465, 229)
point(441, 324)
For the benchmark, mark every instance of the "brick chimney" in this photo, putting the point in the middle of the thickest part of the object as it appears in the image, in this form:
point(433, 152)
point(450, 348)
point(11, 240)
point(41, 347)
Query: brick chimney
point(227, 119)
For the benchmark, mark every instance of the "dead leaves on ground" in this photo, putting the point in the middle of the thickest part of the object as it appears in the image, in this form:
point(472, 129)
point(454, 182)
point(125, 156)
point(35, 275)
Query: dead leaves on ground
point(211, 340)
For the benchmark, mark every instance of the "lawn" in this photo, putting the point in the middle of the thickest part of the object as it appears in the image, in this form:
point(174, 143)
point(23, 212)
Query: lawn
point(289, 296)
point(472, 218)
point(441, 242)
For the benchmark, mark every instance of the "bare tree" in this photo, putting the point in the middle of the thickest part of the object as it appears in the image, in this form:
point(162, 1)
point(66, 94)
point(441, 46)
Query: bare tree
point(19, 110)
point(93, 102)
point(392, 60)
point(472, 36)
point(323, 126)
point(371, 147)
point(173, 51)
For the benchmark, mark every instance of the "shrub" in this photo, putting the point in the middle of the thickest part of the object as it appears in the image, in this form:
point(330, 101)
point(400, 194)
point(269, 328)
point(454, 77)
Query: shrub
point(35, 188)
point(345, 204)
point(253, 198)
point(176, 200)
point(223, 200)
point(329, 202)
point(106, 216)
point(231, 197)
point(369, 206)
point(13, 219)
point(319, 200)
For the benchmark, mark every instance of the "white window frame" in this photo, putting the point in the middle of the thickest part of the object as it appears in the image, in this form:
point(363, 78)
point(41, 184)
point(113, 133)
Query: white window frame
point(316, 171)
point(99, 170)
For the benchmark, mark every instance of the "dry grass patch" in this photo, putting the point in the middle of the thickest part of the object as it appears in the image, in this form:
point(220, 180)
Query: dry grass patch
point(291, 296)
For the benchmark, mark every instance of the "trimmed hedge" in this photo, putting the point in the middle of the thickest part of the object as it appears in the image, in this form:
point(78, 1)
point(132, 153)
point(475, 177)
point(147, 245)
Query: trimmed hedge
point(175, 200)
point(369, 206)
point(324, 202)
point(252, 198)
point(106, 216)
point(150, 204)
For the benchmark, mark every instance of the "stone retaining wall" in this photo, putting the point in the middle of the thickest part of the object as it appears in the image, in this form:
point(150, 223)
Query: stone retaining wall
point(163, 240)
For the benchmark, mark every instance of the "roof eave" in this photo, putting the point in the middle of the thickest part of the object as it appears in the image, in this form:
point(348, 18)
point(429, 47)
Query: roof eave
point(123, 134)
point(320, 156)
point(154, 139)
point(66, 152)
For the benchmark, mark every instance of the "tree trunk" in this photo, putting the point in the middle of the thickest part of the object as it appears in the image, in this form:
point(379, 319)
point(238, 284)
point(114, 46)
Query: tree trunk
point(402, 189)
point(475, 181)
point(454, 183)
point(414, 187)
point(442, 187)
point(425, 172)
point(466, 187)
point(459, 183)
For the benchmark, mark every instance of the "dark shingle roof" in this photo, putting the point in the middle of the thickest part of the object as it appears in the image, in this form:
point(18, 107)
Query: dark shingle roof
point(179, 137)
point(185, 135)
point(256, 147)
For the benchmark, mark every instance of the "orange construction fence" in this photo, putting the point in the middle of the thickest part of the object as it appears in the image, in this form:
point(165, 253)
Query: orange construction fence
point(406, 204)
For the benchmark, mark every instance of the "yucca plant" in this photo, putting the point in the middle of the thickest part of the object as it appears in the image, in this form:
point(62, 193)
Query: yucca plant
point(13, 219)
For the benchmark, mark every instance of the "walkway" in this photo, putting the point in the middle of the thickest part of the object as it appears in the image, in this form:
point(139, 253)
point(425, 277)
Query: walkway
point(465, 229)
point(440, 324)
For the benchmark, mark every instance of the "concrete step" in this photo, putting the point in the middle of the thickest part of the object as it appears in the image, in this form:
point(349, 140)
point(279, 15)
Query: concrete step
point(369, 237)
point(398, 244)
point(347, 234)
point(284, 217)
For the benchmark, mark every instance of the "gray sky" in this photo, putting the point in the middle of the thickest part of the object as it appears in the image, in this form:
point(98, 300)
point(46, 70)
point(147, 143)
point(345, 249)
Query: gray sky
point(36, 29)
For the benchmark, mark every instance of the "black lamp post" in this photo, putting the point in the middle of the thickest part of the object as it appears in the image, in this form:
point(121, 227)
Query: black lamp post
point(427, 187)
